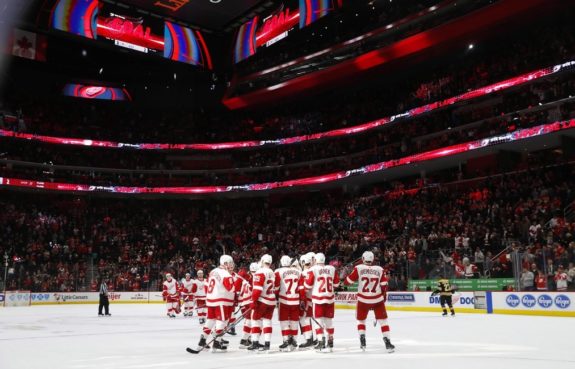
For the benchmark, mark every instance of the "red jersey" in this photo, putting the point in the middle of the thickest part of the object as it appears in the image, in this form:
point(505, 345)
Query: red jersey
point(244, 291)
point(541, 283)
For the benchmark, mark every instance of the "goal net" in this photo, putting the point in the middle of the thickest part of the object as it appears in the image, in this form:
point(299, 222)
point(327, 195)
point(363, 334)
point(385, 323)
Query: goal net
point(17, 298)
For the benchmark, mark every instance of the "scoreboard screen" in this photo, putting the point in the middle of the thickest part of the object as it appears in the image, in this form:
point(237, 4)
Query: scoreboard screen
point(291, 15)
point(129, 29)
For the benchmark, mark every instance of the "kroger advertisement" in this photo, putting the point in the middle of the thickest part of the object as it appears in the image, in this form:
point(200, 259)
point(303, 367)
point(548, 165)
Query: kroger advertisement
point(534, 303)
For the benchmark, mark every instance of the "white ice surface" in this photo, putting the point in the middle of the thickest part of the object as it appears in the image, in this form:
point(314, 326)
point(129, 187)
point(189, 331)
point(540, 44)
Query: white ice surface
point(141, 336)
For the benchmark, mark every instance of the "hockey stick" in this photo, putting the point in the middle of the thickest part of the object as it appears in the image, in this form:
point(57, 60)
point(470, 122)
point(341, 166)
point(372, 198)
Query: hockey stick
point(228, 328)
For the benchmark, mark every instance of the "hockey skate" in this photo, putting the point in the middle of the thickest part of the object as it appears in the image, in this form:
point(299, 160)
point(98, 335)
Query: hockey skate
point(453, 314)
point(202, 321)
point(330, 344)
point(321, 347)
point(388, 346)
point(292, 343)
point(254, 347)
point(307, 345)
point(444, 313)
point(285, 347)
point(265, 348)
point(245, 343)
point(172, 315)
point(232, 331)
point(362, 343)
point(219, 346)
point(201, 346)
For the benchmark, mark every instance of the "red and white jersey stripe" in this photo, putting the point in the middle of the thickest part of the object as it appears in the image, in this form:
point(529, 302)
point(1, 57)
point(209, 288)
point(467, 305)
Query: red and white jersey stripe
point(188, 287)
point(322, 279)
point(171, 288)
point(220, 290)
point(266, 281)
point(201, 289)
point(371, 283)
point(244, 290)
point(291, 285)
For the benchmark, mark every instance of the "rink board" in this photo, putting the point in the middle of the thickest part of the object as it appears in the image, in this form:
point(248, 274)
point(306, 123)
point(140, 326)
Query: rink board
point(513, 303)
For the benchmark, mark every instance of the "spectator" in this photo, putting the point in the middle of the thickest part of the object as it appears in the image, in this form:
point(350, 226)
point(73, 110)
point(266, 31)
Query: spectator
point(527, 280)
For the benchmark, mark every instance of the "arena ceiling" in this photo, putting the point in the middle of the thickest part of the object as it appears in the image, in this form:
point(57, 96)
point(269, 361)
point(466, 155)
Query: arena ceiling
point(215, 15)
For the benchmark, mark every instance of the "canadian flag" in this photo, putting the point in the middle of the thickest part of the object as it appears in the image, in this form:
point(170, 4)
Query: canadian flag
point(28, 45)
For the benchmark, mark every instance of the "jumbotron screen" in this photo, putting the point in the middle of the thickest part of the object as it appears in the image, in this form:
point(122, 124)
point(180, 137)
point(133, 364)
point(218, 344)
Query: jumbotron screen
point(264, 31)
point(96, 92)
point(125, 28)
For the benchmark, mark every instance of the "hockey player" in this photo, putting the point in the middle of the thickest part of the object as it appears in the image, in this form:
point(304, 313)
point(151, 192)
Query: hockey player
point(189, 287)
point(445, 294)
point(171, 295)
point(306, 309)
point(371, 295)
point(291, 292)
point(322, 279)
point(243, 287)
point(200, 296)
point(220, 303)
point(265, 287)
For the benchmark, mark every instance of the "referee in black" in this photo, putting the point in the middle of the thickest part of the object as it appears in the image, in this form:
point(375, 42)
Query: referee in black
point(104, 302)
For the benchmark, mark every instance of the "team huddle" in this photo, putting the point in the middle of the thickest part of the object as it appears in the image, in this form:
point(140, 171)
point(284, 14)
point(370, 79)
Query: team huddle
point(303, 290)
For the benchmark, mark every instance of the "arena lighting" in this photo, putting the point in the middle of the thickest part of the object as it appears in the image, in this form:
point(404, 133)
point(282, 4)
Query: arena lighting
point(496, 87)
point(372, 168)
point(215, 1)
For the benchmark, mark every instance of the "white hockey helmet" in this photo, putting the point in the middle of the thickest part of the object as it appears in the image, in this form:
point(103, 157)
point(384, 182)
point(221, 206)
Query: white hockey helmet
point(285, 261)
point(266, 259)
point(311, 257)
point(168, 275)
point(200, 273)
point(254, 267)
point(368, 257)
point(188, 275)
point(226, 260)
point(305, 260)
point(320, 258)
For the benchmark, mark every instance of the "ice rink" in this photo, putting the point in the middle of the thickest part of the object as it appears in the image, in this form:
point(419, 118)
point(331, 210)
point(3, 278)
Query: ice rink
point(141, 336)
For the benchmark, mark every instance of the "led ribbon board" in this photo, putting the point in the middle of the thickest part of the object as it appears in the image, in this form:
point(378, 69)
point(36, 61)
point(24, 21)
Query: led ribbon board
point(372, 168)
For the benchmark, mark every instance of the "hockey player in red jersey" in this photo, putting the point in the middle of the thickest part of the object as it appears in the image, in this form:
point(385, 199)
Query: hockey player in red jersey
point(200, 296)
point(306, 307)
point(189, 287)
point(220, 303)
point(291, 292)
point(321, 280)
point(371, 295)
point(244, 300)
point(265, 287)
point(171, 295)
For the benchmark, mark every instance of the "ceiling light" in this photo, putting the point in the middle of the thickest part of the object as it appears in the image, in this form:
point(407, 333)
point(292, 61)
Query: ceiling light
point(215, 1)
